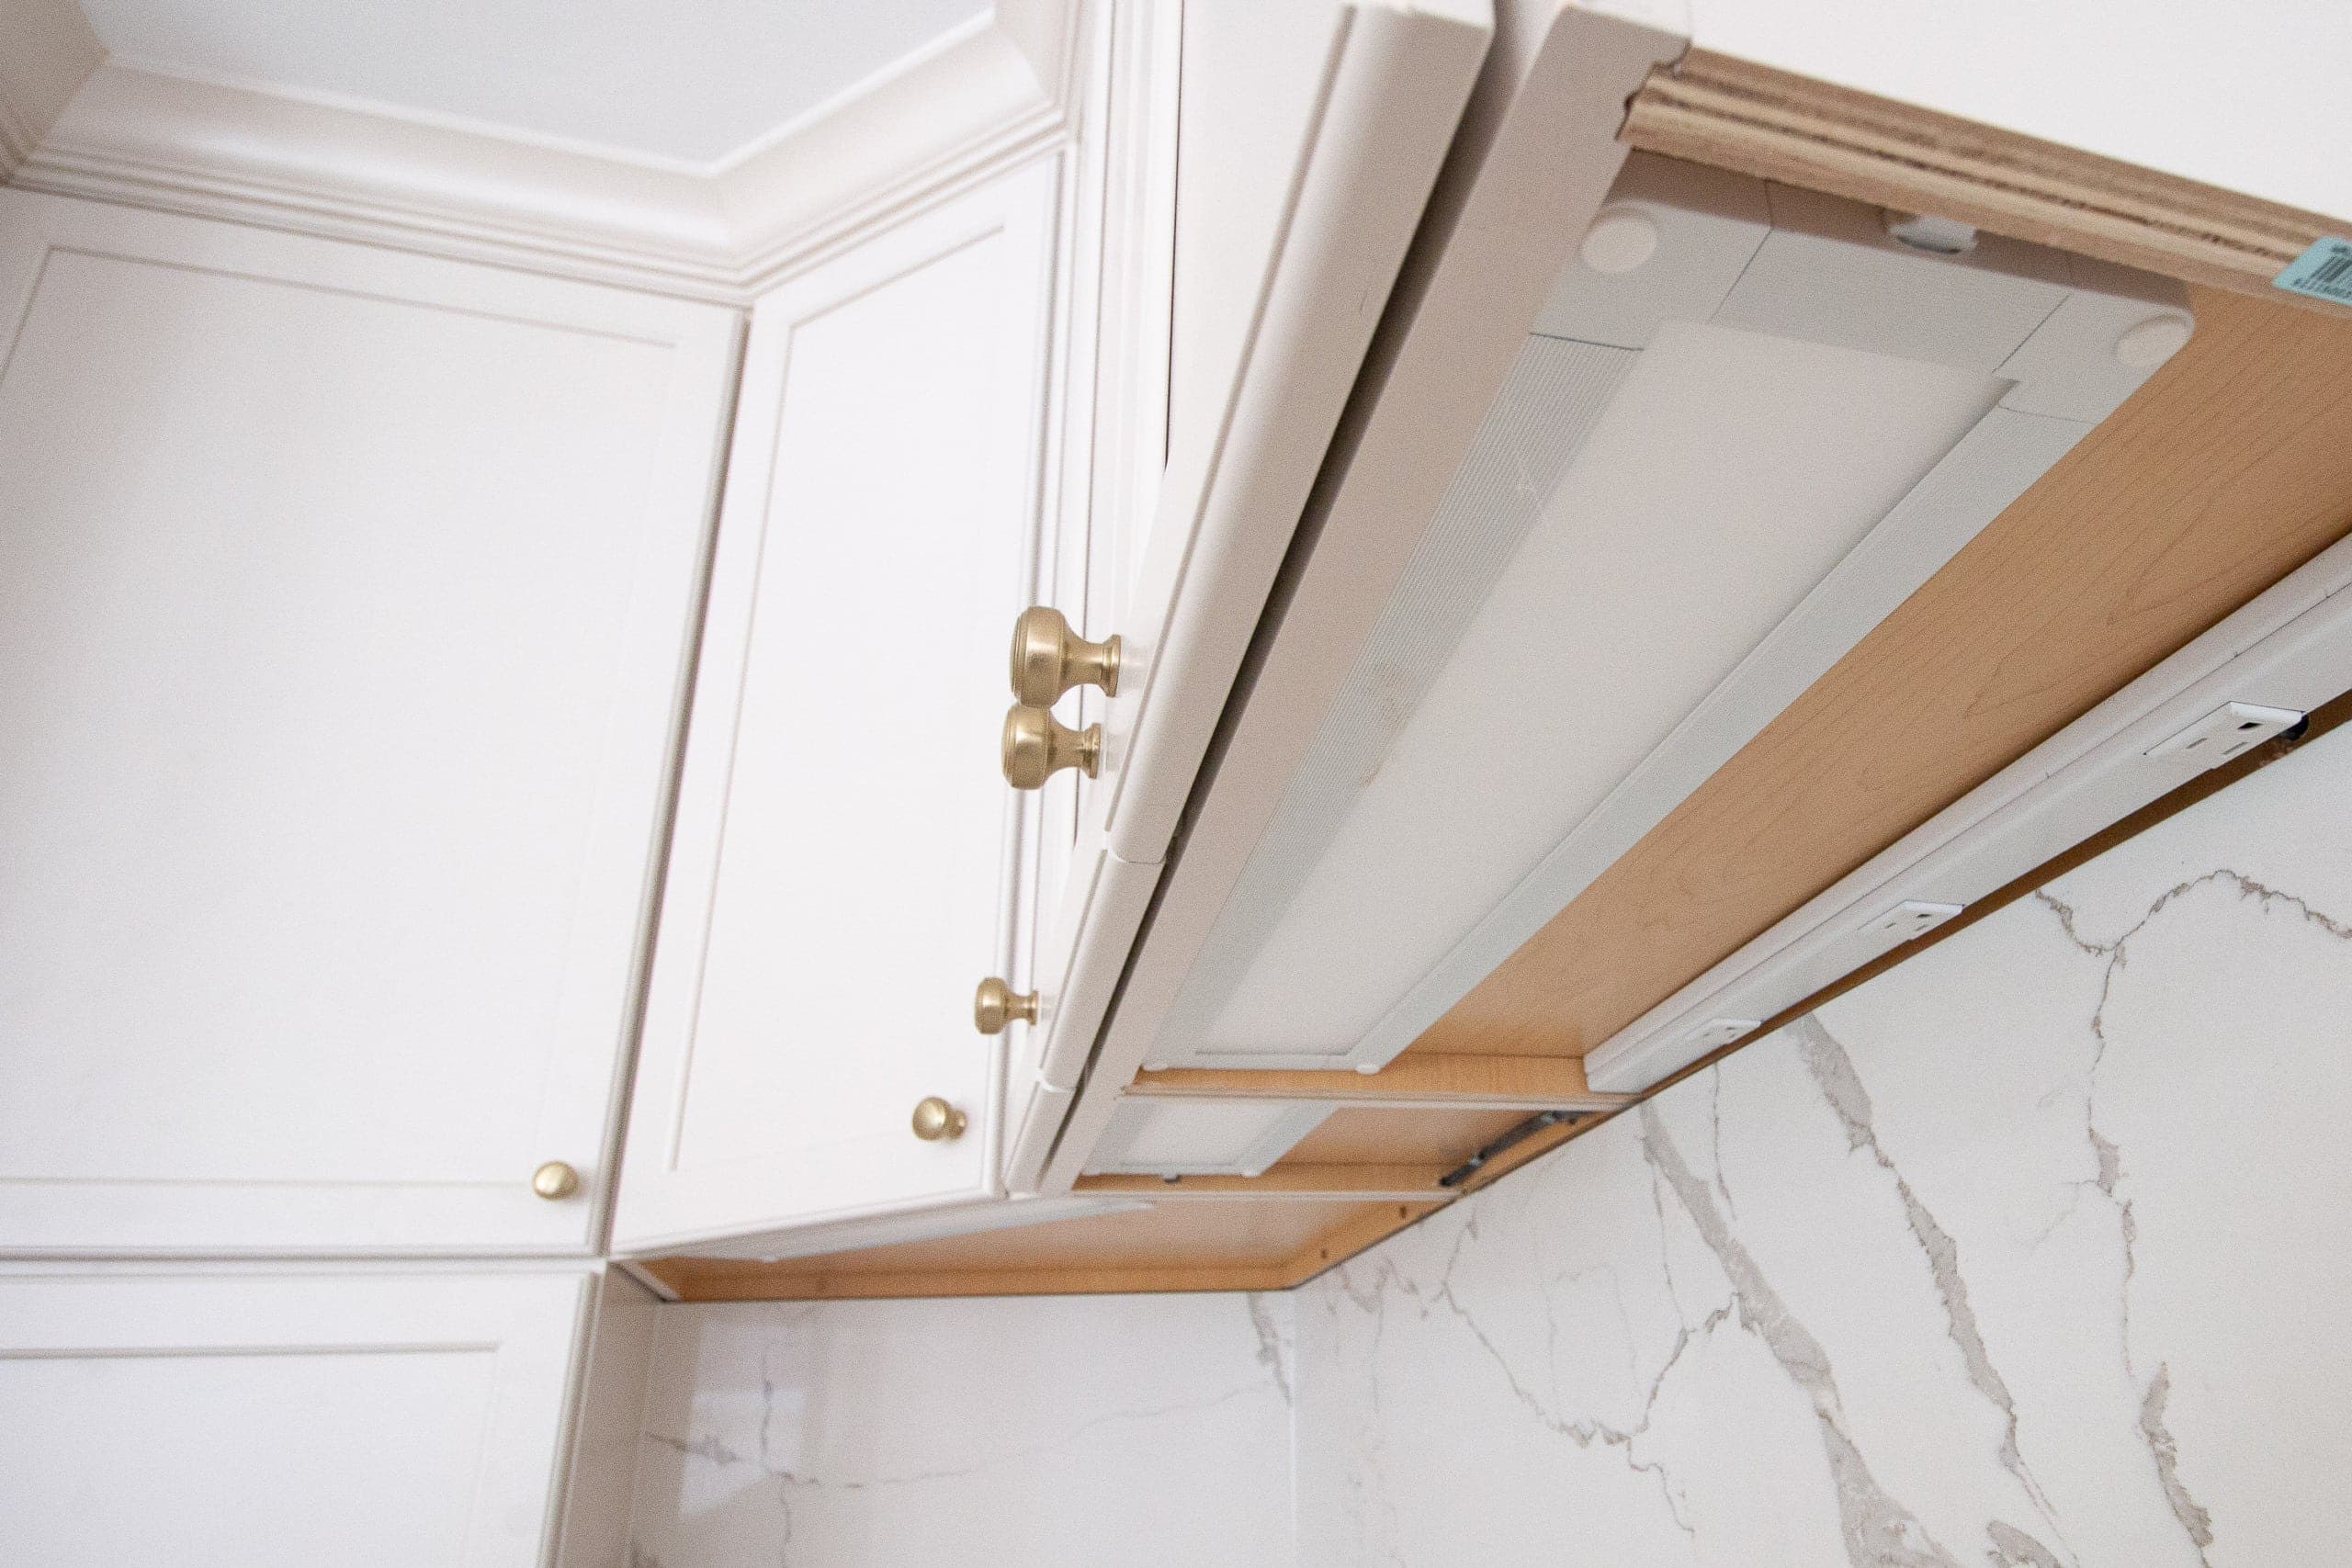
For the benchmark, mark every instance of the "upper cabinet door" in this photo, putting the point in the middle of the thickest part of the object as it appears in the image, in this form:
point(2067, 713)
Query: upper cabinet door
point(847, 861)
point(1310, 133)
point(345, 598)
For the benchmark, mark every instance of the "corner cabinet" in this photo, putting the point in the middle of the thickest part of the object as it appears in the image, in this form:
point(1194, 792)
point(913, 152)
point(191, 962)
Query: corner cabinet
point(846, 861)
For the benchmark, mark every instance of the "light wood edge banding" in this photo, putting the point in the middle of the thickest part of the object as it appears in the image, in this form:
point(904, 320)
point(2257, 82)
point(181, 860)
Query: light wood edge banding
point(1713, 108)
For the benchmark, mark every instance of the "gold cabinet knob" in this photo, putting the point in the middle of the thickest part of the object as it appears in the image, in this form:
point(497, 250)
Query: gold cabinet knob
point(554, 1180)
point(934, 1119)
point(996, 1005)
point(1038, 746)
point(1048, 658)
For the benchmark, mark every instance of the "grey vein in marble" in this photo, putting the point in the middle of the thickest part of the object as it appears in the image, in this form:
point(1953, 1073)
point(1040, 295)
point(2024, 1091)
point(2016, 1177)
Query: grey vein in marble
point(1879, 1531)
point(711, 1450)
point(2012, 1548)
point(2114, 953)
point(1272, 1354)
point(1833, 1070)
point(2195, 1520)
point(1583, 1434)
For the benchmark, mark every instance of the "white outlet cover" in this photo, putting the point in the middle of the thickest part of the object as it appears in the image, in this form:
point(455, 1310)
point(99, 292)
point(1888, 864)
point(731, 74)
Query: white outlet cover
point(1913, 917)
point(2228, 730)
point(1717, 1033)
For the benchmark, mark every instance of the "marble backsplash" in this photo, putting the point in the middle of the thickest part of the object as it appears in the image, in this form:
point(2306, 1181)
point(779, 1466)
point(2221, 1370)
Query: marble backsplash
point(2036, 1250)
point(1023, 1432)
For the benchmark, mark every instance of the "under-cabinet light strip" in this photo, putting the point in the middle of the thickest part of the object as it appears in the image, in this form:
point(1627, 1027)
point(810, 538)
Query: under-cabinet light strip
point(2290, 650)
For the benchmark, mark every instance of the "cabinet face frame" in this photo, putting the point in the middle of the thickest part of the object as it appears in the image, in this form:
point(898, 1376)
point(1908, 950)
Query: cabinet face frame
point(655, 538)
point(874, 1167)
point(528, 1323)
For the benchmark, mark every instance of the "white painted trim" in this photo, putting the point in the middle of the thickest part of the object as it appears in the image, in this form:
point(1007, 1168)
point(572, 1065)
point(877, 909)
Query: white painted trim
point(2290, 648)
point(1105, 911)
point(1120, 235)
point(1033, 1119)
point(46, 49)
point(984, 98)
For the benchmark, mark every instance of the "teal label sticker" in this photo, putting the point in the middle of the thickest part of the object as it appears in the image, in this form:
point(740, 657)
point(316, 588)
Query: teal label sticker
point(2323, 272)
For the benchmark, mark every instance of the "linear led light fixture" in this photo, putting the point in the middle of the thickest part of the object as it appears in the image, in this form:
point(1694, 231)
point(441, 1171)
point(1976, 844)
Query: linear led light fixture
point(1748, 422)
point(2249, 678)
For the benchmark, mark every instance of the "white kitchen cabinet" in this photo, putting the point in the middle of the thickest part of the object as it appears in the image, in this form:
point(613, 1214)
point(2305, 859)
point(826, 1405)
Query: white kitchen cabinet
point(283, 1420)
point(1304, 145)
point(847, 861)
point(345, 597)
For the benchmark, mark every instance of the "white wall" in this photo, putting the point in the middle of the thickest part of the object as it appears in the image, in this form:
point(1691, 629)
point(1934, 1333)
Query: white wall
point(2034, 1251)
point(1027, 1432)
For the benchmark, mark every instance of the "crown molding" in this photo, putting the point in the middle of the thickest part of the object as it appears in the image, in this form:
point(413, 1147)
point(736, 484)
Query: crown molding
point(989, 94)
point(46, 50)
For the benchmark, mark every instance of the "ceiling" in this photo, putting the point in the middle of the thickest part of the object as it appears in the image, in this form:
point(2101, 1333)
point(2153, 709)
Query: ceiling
point(672, 81)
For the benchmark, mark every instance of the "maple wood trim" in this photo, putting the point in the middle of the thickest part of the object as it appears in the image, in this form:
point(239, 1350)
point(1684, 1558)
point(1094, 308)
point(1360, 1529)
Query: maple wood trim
point(1713, 109)
point(1409, 1083)
point(1353, 1235)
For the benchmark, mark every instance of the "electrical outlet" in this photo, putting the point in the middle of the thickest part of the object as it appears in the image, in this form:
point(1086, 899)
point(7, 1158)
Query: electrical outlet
point(2228, 730)
point(1913, 917)
point(1717, 1033)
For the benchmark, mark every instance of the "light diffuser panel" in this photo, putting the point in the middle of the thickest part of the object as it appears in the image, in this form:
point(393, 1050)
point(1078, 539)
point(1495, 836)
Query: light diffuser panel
point(1729, 473)
point(1780, 426)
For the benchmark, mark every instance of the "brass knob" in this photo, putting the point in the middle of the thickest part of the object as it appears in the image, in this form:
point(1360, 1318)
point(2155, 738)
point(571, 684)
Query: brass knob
point(996, 1004)
point(555, 1179)
point(935, 1119)
point(1048, 658)
point(1038, 746)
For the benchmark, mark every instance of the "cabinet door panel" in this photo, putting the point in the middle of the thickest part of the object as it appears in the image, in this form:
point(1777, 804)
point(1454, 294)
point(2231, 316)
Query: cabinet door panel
point(344, 605)
point(1310, 134)
point(847, 859)
point(412, 1422)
